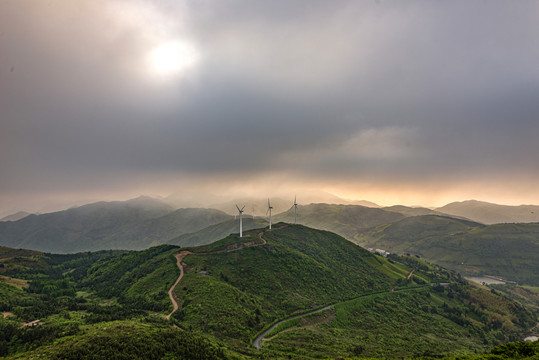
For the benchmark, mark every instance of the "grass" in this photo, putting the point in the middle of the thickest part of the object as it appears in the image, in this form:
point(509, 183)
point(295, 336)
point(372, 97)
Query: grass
point(18, 283)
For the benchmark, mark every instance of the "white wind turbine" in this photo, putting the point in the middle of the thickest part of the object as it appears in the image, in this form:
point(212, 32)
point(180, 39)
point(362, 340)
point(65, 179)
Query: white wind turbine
point(269, 210)
point(241, 219)
point(295, 210)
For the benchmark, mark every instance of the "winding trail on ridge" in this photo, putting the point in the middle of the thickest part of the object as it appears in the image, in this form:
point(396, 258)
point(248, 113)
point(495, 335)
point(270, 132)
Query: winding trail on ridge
point(179, 257)
point(182, 254)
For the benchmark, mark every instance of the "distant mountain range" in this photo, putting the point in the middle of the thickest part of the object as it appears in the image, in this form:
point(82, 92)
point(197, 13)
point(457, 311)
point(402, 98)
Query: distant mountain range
point(143, 222)
point(488, 213)
point(257, 205)
point(345, 220)
point(134, 224)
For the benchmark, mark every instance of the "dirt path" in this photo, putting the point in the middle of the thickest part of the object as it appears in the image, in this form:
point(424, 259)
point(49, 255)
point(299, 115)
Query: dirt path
point(5, 314)
point(179, 257)
point(410, 274)
point(182, 254)
point(261, 238)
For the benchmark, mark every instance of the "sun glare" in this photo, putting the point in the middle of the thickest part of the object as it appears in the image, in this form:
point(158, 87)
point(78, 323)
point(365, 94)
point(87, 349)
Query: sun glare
point(173, 58)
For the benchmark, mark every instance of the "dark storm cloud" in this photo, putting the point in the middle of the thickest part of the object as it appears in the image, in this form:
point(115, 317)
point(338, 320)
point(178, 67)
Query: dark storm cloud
point(326, 90)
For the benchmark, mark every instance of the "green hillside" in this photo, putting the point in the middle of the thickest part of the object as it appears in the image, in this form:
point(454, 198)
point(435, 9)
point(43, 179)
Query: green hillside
point(418, 322)
point(507, 250)
point(234, 294)
point(216, 232)
point(345, 220)
point(112, 304)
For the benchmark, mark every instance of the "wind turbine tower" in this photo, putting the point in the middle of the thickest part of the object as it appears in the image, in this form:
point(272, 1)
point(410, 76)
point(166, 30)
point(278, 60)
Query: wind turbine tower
point(269, 210)
point(241, 219)
point(295, 210)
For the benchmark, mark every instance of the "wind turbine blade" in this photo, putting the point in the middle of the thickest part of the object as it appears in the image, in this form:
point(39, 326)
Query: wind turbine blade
point(243, 208)
point(237, 207)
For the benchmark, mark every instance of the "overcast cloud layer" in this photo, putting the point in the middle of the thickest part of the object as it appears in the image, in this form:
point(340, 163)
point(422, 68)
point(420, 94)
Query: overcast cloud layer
point(409, 101)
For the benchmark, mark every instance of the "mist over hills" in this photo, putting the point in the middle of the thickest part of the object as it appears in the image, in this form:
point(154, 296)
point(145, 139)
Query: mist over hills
point(412, 211)
point(488, 213)
point(345, 220)
point(134, 224)
point(255, 204)
point(144, 222)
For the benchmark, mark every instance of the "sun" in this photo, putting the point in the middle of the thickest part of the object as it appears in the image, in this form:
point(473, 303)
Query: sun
point(173, 58)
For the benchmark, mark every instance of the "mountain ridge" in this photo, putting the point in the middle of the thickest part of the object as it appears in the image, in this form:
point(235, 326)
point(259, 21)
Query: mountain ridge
point(490, 213)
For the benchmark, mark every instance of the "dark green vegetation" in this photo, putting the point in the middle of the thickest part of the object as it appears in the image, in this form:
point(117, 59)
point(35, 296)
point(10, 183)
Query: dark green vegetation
point(133, 225)
point(217, 232)
point(488, 213)
point(72, 294)
point(111, 304)
point(507, 250)
point(149, 338)
point(516, 350)
point(418, 322)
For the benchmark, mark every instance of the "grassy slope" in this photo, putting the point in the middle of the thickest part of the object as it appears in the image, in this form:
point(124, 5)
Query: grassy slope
point(232, 295)
point(507, 250)
point(299, 268)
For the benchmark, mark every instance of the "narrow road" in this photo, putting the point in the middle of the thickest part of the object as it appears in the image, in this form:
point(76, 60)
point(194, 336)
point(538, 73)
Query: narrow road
point(256, 341)
point(179, 257)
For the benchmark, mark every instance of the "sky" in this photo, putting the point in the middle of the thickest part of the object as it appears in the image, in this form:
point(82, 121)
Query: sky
point(396, 102)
